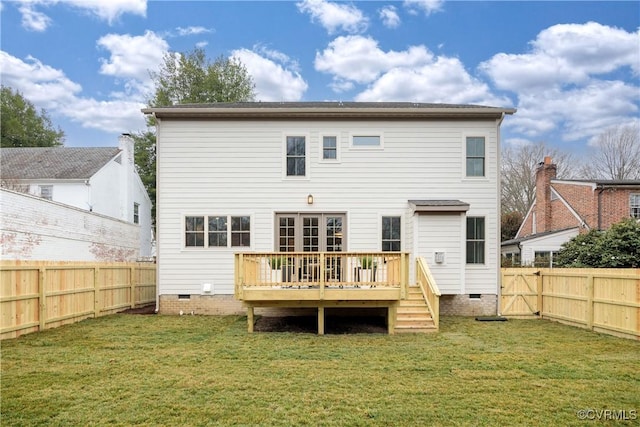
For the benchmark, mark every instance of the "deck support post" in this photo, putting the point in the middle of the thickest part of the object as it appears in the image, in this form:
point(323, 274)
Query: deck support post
point(250, 319)
point(320, 320)
point(392, 314)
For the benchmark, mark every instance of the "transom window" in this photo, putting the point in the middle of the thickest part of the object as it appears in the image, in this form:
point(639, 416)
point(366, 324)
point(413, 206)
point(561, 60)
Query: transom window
point(296, 158)
point(366, 140)
point(634, 205)
point(475, 156)
point(475, 240)
point(391, 234)
point(217, 231)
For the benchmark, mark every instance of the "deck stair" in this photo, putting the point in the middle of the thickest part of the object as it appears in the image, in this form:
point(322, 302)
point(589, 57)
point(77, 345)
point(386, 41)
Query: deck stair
point(413, 314)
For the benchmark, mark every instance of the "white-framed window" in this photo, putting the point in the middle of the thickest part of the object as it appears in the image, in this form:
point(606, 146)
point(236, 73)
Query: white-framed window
point(296, 156)
point(217, 231)
point(475, 240)
point(475, 156)
point(46, 192)
point(136, 213)
point(634, 205)
point(391, 234)
point(366, 140)
point(329, 148)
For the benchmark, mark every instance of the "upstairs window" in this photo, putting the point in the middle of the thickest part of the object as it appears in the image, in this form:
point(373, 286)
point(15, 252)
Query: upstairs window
point(46, 192)
point(296, 159)
point(634, 206)
point(366, 141)
point(475, 156)
point(329, 148)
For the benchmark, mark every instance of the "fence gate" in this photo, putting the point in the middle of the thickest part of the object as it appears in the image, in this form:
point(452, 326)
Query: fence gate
point(519, 293)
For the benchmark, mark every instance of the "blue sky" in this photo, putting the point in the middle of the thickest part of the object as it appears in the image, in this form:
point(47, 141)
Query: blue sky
point(572, 69)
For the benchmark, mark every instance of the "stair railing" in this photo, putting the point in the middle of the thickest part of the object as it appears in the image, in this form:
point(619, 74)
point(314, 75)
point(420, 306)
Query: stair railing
point(429, 289)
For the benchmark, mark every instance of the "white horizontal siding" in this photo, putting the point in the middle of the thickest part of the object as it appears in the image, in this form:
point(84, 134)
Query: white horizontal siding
point(236, 168)
point(443, 233)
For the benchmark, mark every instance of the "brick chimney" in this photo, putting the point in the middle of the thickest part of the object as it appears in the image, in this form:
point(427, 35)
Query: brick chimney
point(544, 174)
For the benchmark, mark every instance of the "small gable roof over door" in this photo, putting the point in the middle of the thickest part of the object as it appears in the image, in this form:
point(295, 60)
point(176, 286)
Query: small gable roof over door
point(439, 205)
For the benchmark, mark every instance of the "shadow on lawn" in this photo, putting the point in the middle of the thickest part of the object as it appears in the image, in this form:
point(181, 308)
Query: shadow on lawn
point(333, 324)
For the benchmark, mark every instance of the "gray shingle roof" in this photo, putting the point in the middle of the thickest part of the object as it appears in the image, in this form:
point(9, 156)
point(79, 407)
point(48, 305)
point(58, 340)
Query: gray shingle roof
point(54, 162)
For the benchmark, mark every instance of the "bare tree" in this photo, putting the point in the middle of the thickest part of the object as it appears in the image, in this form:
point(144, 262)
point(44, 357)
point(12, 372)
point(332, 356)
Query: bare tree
point(518, 173)
point(617, 154)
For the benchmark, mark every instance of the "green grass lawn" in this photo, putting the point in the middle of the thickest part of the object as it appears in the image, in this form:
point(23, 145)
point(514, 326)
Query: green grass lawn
point(205, 370)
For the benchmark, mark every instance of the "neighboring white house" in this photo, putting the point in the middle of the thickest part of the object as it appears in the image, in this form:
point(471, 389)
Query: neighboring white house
point(258, 177)
point(101, 180)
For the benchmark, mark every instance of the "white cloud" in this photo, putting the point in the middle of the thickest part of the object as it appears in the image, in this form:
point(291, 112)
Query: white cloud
point(564, 84)
point(274, 81)
point(443, 81)
point(334, 16)
point(45, 86)
point(33, 20)
point(131, 58)
point(49, 88)
point(359, 59)
point(425, 6)
point(566, 54)
point(107, 10)
point(389, 17)
point(188, 31)
point(111, 10)
point(114, 116)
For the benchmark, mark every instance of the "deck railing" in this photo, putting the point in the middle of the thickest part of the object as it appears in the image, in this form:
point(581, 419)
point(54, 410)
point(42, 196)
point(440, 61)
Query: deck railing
point(321, 269)
point(429, 289)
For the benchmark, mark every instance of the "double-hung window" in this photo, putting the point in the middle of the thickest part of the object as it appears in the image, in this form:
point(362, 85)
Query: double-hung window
point(194, 231)
point(330, 147)
point(475, 156)
point(475, 240)
point(634, 206)
point(136, 213)
point(217, 230)
point(391, 235)
point(296, 156)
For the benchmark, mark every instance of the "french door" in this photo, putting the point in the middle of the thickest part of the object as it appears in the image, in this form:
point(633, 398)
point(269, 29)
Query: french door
point(318, 232)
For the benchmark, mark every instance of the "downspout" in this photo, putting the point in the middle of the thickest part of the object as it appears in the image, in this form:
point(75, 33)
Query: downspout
point(499, 214)
point(600, 188)
point(155, 228)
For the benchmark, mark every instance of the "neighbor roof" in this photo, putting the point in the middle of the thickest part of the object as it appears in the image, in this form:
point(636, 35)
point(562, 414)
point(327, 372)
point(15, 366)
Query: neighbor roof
point(328, 110)
point(54, 162)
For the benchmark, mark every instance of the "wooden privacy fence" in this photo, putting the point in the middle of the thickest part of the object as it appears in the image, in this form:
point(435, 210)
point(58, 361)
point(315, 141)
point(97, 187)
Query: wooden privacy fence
point(38, 295)
point(602, 300)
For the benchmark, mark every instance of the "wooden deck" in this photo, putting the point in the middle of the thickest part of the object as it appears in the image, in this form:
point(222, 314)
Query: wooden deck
point(331, 280)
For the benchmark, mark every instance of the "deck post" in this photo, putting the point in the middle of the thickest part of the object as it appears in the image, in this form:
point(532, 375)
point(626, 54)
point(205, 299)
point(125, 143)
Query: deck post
point(320, 320)
point(250, 319)
point(392, 313)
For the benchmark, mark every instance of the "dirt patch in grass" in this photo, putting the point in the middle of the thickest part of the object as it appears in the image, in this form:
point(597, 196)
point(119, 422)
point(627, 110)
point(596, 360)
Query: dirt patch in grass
point(147, 309)
point(333, 324)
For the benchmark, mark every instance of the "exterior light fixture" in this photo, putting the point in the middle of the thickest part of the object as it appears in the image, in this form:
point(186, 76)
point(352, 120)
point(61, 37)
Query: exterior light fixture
point(310, 199)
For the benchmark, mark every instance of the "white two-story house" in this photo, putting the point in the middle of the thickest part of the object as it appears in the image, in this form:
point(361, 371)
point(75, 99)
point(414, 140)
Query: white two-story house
point(329, 184)
point(100, 180)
